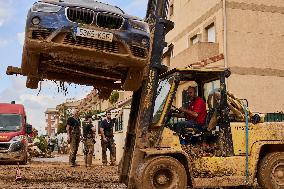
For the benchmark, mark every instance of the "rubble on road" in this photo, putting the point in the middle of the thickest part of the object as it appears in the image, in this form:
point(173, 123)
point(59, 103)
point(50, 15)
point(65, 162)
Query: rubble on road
point(39, 148)
point(60, 175)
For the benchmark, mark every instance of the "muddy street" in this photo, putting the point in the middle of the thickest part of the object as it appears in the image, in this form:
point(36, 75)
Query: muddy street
point(55, 174)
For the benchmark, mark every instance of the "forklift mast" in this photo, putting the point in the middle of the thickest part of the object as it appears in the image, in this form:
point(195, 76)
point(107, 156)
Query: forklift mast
point(143, 99)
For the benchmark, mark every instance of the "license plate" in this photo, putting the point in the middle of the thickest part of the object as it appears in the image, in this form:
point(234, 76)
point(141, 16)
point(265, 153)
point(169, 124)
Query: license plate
point(93, 34)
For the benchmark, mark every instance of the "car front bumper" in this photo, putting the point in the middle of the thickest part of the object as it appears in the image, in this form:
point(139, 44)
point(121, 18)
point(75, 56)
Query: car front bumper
point(15, 152)
point(54, 35)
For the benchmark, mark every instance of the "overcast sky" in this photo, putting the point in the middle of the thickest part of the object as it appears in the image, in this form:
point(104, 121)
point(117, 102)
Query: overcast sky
point(12, 26)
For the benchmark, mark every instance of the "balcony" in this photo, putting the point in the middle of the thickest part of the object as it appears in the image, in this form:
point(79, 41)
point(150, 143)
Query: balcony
point(194, 53)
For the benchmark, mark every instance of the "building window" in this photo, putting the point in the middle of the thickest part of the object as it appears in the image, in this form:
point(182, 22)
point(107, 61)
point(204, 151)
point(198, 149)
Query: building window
point(171, 11)
point(194, 39)
point(119, 124)
point(211, 33)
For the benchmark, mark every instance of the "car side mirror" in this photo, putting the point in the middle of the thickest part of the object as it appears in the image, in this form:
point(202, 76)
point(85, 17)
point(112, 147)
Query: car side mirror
point(29, 129)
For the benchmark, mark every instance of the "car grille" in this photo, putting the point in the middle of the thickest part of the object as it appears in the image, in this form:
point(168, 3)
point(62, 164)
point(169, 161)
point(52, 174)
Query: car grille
point(4, 146)
point(138, 52)
point(40, 34)
point(110, 21)
point(80, 15)
point(91, 43)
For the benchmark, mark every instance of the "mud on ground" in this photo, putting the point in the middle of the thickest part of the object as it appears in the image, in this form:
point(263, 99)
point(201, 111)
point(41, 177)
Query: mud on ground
point(59, 175)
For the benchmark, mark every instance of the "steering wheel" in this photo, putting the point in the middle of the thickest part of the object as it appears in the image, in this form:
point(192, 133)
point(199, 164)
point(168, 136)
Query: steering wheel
point(175, 109)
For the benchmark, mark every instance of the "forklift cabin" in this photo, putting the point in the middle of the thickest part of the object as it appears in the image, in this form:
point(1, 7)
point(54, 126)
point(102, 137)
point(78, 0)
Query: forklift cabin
point(162, 146)
point(164, 110)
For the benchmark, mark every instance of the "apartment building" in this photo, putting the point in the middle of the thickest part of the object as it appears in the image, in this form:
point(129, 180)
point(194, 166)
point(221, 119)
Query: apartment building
point(245, 36)
point(52, 120)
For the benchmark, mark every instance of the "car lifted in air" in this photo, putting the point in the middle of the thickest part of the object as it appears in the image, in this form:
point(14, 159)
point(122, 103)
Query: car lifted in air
point(84, 42)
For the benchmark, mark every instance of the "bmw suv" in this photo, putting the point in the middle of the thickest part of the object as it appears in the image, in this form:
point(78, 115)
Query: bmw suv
point(84, 42)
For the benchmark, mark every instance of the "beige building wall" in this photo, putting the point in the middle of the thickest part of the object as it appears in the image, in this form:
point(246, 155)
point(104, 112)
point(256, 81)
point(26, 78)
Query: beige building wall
point(191, 19)
point(249, 33)
point(255, 52)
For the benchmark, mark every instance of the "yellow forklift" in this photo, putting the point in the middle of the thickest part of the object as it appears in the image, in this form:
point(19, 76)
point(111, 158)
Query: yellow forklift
point(241, 148)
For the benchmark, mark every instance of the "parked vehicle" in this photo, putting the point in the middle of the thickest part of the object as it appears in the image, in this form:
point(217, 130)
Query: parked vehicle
point(95, 43)
point(13, 133)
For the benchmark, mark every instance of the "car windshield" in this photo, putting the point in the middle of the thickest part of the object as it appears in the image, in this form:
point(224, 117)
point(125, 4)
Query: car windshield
point(10, 122)
point(162, 93)
point(94, 4)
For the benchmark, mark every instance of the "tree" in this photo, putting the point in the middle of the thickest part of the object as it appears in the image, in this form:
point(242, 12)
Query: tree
point(64, 113)
point(114, 97)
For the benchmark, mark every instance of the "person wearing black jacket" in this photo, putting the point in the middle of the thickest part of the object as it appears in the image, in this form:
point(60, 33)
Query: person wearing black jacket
point(74, 133)
point(107, 140)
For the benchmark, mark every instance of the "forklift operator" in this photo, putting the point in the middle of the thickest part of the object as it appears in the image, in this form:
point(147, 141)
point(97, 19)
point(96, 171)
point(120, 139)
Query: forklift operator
point(195, 114)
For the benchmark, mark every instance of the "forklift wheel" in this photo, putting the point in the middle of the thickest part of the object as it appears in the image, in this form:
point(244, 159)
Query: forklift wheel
point(271, 171)
point(162, 172)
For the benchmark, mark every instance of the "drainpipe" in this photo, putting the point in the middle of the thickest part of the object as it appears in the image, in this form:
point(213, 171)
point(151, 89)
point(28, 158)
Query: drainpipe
point(225, 38)
point(225, 33)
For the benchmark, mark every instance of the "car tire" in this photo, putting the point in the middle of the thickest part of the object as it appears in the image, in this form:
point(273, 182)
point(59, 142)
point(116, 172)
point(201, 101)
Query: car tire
point(271, 171)
point(24, 65)
point(104, 93)
point(30, 63)
point(32, 82)
point(162, 172)
point(133, 80)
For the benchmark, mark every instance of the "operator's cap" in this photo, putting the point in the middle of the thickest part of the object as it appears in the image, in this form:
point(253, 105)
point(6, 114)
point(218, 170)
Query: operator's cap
point(191, 84)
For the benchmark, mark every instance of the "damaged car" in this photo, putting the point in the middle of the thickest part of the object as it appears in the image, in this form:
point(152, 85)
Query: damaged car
point(84, 42)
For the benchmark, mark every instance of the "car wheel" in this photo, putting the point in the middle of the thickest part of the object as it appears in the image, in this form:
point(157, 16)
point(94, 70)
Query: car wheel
point(162, 172)
point(24, 65)
point(32, 82)
point(104, 93)
point(30, 63)
point(271, 171)
point(133, 80)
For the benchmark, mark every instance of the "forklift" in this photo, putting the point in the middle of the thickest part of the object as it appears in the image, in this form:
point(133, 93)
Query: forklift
point(246, 148)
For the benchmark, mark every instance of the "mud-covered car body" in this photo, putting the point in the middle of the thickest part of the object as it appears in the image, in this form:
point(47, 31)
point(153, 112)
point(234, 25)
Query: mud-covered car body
point(97, 42)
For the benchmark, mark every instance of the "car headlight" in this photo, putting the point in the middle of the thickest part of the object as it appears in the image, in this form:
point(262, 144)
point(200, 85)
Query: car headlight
point(45, 7)
point(139, 25)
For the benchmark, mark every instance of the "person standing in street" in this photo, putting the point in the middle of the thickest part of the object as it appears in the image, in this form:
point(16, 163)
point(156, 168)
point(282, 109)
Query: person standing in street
point(107, 140)
point(89, 134)
point(74, 133)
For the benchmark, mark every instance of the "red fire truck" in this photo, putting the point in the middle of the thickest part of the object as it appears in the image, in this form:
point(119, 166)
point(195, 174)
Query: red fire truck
point(13, 133)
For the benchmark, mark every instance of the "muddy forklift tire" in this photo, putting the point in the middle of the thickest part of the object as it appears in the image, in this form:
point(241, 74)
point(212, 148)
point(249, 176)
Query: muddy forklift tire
point(271, 171)
point(133, 80)
point(32, 82)
point(162, 172)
